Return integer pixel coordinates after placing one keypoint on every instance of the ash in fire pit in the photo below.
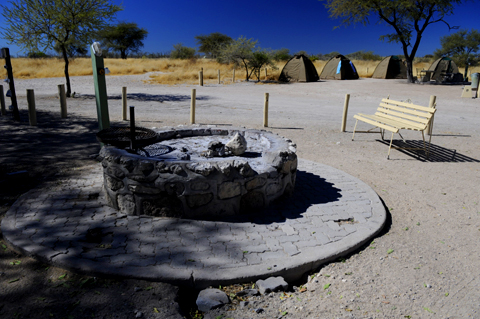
(182, 181)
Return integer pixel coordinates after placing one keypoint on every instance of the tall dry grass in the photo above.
(171, 71)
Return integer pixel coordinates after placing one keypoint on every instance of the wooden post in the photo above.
(2, 101)
(265, 74)
(100, 90)
(265, 111)
(429, 129)
(63, 101)
(218, 76)
(192, 106)
(32, 115)
(345, 111)
(200, 78)
(233, 78)
(124, 103)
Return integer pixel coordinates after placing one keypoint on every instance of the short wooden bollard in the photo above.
(63, 101)
(32, 115)
(2, 101)
(218, 76)
(266, 74)
(345, 112)
(233, 78)
(429, 128)
(200, 78)
(192, 106)
(124, 103)
(265, 111)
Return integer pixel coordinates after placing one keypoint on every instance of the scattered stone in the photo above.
(216, 149)
(211, 298)
(237, 145)
(272, 284)
(259, 310)
(138, 314)
(248, 293)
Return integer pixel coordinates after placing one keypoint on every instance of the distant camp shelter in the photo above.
(391, 67)
(339, 68)
(299, 69)
(441, 68)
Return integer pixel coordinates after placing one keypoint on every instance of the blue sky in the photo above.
(295, 25)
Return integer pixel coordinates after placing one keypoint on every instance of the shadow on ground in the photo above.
(143, 97)
(437, 154)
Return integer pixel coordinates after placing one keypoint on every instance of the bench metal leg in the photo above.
(354, 129)
(390, 147)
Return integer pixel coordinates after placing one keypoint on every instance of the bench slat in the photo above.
(410, 105)
(415, 112)
(410, 118)
(368, 119)
(401, 123)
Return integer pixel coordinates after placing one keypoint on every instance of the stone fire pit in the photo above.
(176, 177)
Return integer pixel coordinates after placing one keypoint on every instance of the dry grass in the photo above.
(170, 71)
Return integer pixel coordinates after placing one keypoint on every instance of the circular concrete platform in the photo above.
(69, 225)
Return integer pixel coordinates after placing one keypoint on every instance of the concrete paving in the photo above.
(68, 224)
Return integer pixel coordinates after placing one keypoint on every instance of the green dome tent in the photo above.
(300, 69)
(390, 68)
(339, 68)
(441, 68)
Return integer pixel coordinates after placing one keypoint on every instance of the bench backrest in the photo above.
(411, 115)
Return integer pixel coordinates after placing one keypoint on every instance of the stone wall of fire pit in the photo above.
(184, 183)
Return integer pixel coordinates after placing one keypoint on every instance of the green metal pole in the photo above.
(100, 90)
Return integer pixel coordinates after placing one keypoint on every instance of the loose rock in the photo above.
(209, 299)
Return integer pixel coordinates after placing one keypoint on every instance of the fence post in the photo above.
(345, 111)
(233, 78)
(200, 78)
(124, 103)
(265, 111)
(32, 115)
(218, 76)
(63, 101)
(265, 74)
(429, 129)
(100, 88)
(192, 106)
(2, 101)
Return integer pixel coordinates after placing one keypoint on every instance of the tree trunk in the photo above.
(465, 78)
(410, 77)
(123, 54)
(67, 77)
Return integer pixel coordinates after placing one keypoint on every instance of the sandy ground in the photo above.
(425, 264)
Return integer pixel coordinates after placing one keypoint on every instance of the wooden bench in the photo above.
(394, 116)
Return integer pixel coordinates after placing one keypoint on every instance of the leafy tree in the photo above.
(212, 44)
(46, 23)
(408, 18)
(124, 37)
(281, 55)
(73, 48)
(462, 46)
(182, 52)
(239, 52)
(242, 52)
(260, 59)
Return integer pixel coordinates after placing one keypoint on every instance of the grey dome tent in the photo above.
(390, 68)
(441, 68)
(339, 68)
(299, 69)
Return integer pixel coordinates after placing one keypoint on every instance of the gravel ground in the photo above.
(423, 265)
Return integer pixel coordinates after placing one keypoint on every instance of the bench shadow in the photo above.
(143, 97)
(310, 190)
(438, 154)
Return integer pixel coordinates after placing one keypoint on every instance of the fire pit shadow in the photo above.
(310, 190)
